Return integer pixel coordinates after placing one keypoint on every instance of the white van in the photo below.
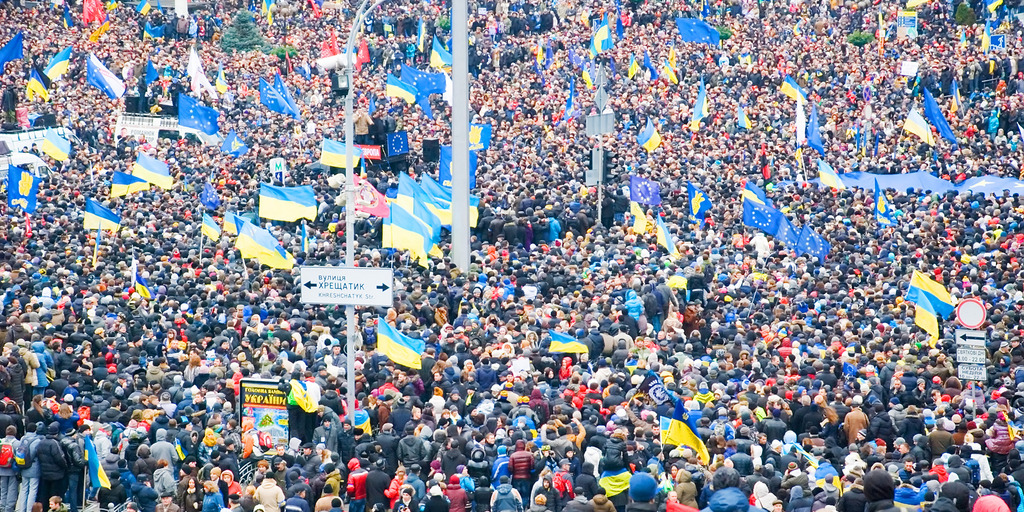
(32, 163)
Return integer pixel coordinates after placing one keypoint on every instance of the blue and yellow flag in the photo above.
(883, 208)
(98, 216)
(421, 36)
(615, 482)
(587, 78)
(123, 184)
(682, 431)
(414, 199)
(58, 64)
(742, 120)
(221, 82)
(68, 20)
(287, 204)
(153, 171)
(669, 72)
(639, 217)
(665, 238)
(649, 139)
(258, 243)
(55, 146)
(754, 193)
(992, 5)
(398, 347)
(233, 145)
(828, 176)
(38, 85)
(97, 477)
(957, 103)
(396, 88)
(22, 189)
(699, 204)
(565, 344)
(932, 301)
(601, 40)
(918, 126)
(480, 136)
(403, 230)
(634, 66)
(210, 229)
(144, 7)
(440, 58)
(332, 154)
(233, 223)
(700, 107)
(792, 89)
(267, 11)
(139, 283)
(360, 418)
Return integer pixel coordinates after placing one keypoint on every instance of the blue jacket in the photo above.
(730, 499)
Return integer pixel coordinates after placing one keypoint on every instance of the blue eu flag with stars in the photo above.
(398, 143)
(193, 114)
(761, 216)
(644, 191)
(209, 197)
(812, 244)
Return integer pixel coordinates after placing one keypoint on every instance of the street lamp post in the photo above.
(350, 196)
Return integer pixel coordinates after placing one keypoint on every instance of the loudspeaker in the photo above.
(131, 104)
(431, 150)
(9, 127)
(47, 120)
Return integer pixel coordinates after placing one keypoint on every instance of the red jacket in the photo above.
(520, 464)
(458, 500)
(356, 481)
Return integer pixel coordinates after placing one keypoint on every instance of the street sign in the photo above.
(347, 286)
(600, 124)
(970, 337)
(972, 372)
(278, 169)
(971, 313)
(972, 355)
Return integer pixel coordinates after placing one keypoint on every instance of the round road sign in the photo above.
(971, 313)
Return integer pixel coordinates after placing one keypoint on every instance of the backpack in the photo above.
(25, 453)
(505, 502)
(73, 452)
(6, 454)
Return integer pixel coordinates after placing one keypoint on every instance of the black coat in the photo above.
(52, 465)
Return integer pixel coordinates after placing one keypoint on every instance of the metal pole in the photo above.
(460, 135)
(350, 202)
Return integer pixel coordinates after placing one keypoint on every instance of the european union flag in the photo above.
(425, 83)
(934, 115)
(233, 145)
(22, 189)
(398, 143)
(445, 167)
(193, 114)
(479, 136)
(151, 72)
(814, 132)
(787, 234)
(696, 31)
(644, 191)
(277, 100)
(812, 244)
(13, 50)
(761, 216)
(208, 197)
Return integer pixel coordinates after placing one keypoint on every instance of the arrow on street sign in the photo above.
(347, 286)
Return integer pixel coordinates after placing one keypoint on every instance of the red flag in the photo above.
(92, 10)
(329, 48)
(28, 225)
(370, 200)
(763, 161)
(315, 8)
(363, 56)
(288, 61)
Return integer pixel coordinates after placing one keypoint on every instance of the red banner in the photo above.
(369, 152)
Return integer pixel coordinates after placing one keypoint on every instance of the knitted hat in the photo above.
(642, 487)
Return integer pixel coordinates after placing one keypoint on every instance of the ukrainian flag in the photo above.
(210, 228)
(58, 64)
(68, 20)
(99, 217)
(665, 238)
(602, 39)
(267, 11)
(233, 223)
(360, 418)
(682, 431)
(752, 192)
(414, 199)
(124, 184)
(668, 71)
(440, 58)
(565, 344)
(957, 103)
(180, 450)
(403, 230)
(792, 89)
(992, 5)
(153, 171)
(142, 287)
(287, 204)
(699, 204)
(918, 126)
(332, 154)
(258, 243)
(828, 176)
(398, 347)
(97, 476)
(442, 198)
(615, 482)
(37, 85)
(221, 82)
(143, 7)
(883, 208)
(639, 217)
(634, 66)
(56, 146)
(932, 301)
(743, 121)
(396, 88)
(986, 39)
(700, 107)
(586, 75)
(649, 139)
(421, 37)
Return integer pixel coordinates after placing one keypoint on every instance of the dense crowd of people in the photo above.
(805, 381)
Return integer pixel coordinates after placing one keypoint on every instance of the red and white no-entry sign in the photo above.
(971, 313)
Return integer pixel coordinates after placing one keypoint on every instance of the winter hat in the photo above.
(878, 485)
(642, 487)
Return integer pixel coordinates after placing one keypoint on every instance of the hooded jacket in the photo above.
(729, 499)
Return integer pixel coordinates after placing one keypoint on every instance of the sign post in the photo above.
(971, 355)
(346, 286)
(971, 313)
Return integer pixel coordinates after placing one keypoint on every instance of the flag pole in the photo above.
(96, 249)
(202, 238)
